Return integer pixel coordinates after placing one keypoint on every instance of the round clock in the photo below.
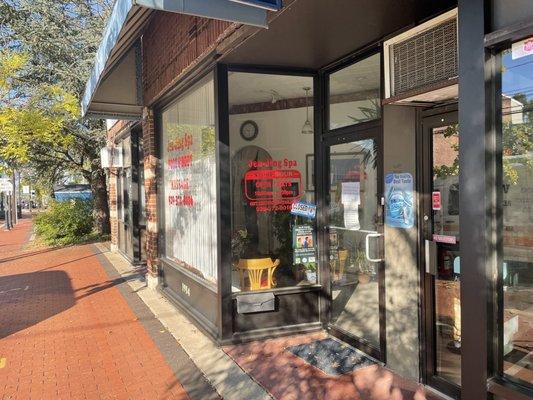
(249, 130)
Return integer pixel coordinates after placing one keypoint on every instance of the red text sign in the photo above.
(436, 200)
(272, 189)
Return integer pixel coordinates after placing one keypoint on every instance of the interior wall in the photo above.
(279, 134)
(402, 286)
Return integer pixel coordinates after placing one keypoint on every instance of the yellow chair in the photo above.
(341, 263)
(255, 268)
(343, 256)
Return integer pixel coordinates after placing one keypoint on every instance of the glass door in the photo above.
(442, 261)
(354, 232)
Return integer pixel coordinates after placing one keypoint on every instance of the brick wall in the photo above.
(150, 187)
(171, 44)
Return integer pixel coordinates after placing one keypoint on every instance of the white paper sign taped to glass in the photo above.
(399, 209)
(304, 209)
(350, 199)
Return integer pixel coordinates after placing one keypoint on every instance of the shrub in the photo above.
(66, 222)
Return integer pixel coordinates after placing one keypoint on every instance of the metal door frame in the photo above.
(371, 130)
(430, 119)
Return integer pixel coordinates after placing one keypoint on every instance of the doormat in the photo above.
(331, 356)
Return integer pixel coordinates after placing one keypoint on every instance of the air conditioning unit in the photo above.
(421, 64)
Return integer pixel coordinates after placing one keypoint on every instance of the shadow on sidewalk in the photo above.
(29, 254)
(27, 299)
(93, 289)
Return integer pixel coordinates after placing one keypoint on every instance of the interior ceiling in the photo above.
(247, 88)
(315, 33)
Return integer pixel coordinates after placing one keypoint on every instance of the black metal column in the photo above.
(475, 198)
(225, 309)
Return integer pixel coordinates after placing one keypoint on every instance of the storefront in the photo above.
(126, 183)
(374, 187)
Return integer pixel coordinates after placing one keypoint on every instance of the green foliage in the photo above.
(66, 222)
(239, 242)
(47, 51)
(443, 171)
(282, 229)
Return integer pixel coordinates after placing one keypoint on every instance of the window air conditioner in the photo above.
(421, 64)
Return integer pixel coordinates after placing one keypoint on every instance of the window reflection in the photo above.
(517, 172)
(354, 93)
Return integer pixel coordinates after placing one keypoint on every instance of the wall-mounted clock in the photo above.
(249, 130)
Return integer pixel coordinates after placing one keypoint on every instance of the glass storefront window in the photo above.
(517, 206)
(354, 93)
(188, 154)
(272, 167)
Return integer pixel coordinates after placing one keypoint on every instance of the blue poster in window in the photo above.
(399, 205)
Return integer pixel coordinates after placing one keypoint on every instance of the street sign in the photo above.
(5, 185)
(25, 189)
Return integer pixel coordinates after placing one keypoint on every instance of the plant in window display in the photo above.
(369, 113)
(239, 244)
(366, 271)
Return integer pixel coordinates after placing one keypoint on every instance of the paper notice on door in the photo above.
(350, 193)
(351, 216)
(350, 199)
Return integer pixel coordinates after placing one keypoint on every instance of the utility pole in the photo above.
(14, 216)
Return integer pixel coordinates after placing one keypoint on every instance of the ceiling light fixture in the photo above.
(307, 129)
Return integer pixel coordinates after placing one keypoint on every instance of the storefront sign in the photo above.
(272, 185)
(304, 209)
(399, 209)
(522, 48)
(445, 239)
(304, 245)
(180, 160)
(436, 201)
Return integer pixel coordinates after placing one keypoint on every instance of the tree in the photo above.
(48, 49)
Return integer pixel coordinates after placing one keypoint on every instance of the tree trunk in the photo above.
(101, 206)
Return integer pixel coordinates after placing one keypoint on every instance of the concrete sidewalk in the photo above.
(81, 323)
(230, 381)
(264, 369)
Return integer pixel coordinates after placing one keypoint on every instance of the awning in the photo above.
(114, 88)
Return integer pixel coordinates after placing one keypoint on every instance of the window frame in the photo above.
(223, 101)
(159, 109)
(352, 59)
(498, 383)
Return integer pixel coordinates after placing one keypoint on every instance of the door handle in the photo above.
(367, 247)
(430, 248)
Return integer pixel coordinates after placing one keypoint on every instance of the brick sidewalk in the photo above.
(66, 332)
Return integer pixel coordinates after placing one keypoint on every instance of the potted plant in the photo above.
(310, 272)
(365, 270)
(239, 242)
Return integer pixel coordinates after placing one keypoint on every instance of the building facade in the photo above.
(358, 167)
